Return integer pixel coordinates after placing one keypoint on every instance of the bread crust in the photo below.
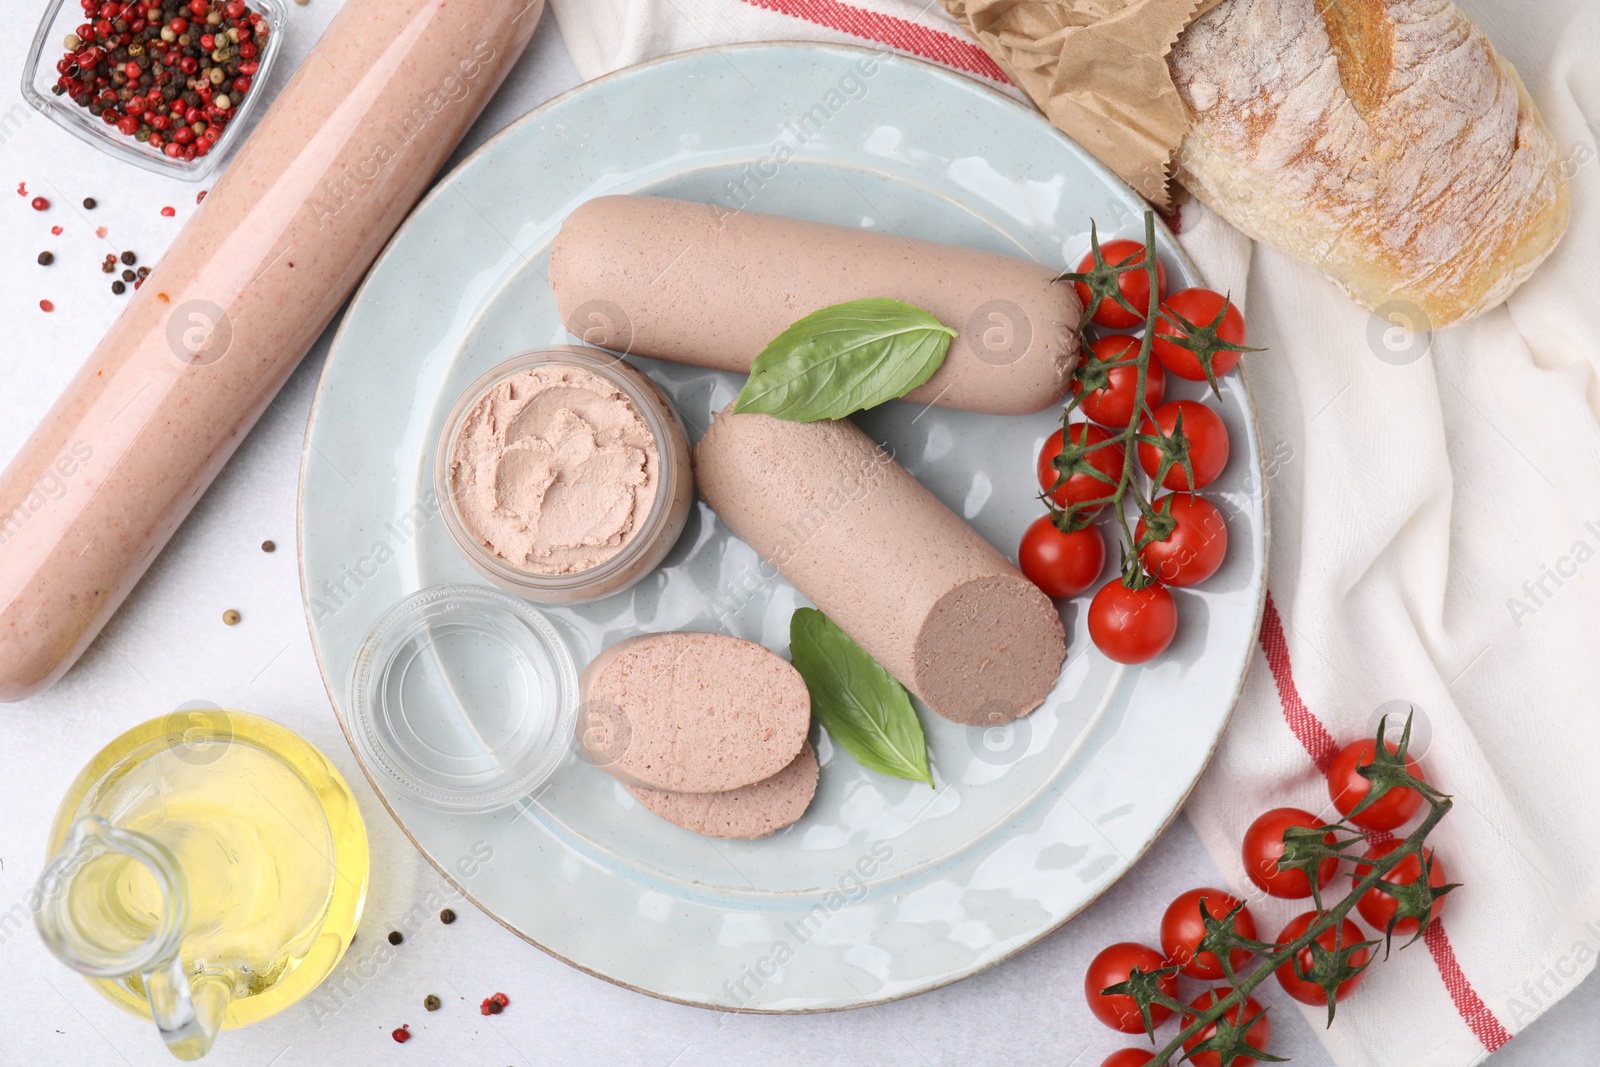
(1383, 141)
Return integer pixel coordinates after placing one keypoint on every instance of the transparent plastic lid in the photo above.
(465, 697)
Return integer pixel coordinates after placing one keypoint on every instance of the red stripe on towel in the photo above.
(895, 32)
(1312, 735)
(1321, 747)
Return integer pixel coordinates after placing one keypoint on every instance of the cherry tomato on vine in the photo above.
(1347, 788)
(1132, 625)
(1061, 564)
(1134, 284)
(1201, 307)
(1377, 908)
(1206, 437)
(1263, 844)
(1111, 967)
(1129, 1057)
(1309, 992)
(1258, 1035)
(1194, 549)
(1181, 931)
(1113, 404)
(1081, 486)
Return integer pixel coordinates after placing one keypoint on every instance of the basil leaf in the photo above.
(858, 702)
(845, 358)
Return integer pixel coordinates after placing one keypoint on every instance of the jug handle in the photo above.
(188, 1013)
(188, 1016)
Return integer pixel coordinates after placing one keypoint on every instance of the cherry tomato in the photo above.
(1199, 306)
(1111, 967)
(1135, 284)
(1207, 439)
(1113, 403)
(1181, 931)
(1378, 907)
(1348, 788)
(1129, 1057)
(1263, 844)
(1061, 564)
(1194, 549)
(1258, 1035)
(1309, 992)
(1132, 625)
(1081, 486)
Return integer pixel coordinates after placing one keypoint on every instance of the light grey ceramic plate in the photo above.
(885, 888)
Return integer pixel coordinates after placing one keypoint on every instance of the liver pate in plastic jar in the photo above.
(564, 474)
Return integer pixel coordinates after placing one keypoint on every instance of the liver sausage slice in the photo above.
(691, 712)
(754, 811)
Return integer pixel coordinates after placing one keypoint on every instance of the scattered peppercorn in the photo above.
(46, 258)
(108, 267)
(89, 203)
(395, 937)
(129, 276)
(144, 272)
(494, 1005)
(55, 231)
(119, 288)
(167, 212)
(403, 1034)
(129, 259)
(430, 1002)
(40, 203)
(230, 617)
(45, 305)
(268, 546)
(447, 916)
(201, 195)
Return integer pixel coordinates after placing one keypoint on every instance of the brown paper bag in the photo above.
(1098, 70)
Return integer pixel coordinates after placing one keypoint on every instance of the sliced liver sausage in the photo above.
(691, 712)
(899, 572)
(754, 811)
(698, 284)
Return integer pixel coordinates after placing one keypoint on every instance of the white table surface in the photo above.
(168, 646)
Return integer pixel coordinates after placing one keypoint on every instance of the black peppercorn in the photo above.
(46, 258)
(129, 276)
(447, 916)
(129, 258)
(118, 288)
(395, 937)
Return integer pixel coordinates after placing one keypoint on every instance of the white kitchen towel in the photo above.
(1435, 539)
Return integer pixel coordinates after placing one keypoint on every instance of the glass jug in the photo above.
(209, 871)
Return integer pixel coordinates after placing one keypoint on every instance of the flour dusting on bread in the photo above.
(1382, 140)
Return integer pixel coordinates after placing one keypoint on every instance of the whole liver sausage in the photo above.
(691, 712)
(754, 811)
(902, 574)
(300, 213)
(698, 284)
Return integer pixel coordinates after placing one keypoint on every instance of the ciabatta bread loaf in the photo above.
(1381, 140)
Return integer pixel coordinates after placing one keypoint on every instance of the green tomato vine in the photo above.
(1305, 849)
(1102, 282)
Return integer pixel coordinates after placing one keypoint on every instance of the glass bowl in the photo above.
(62, 17)
(465, 697)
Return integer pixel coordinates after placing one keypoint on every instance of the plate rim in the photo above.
(440, 184)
